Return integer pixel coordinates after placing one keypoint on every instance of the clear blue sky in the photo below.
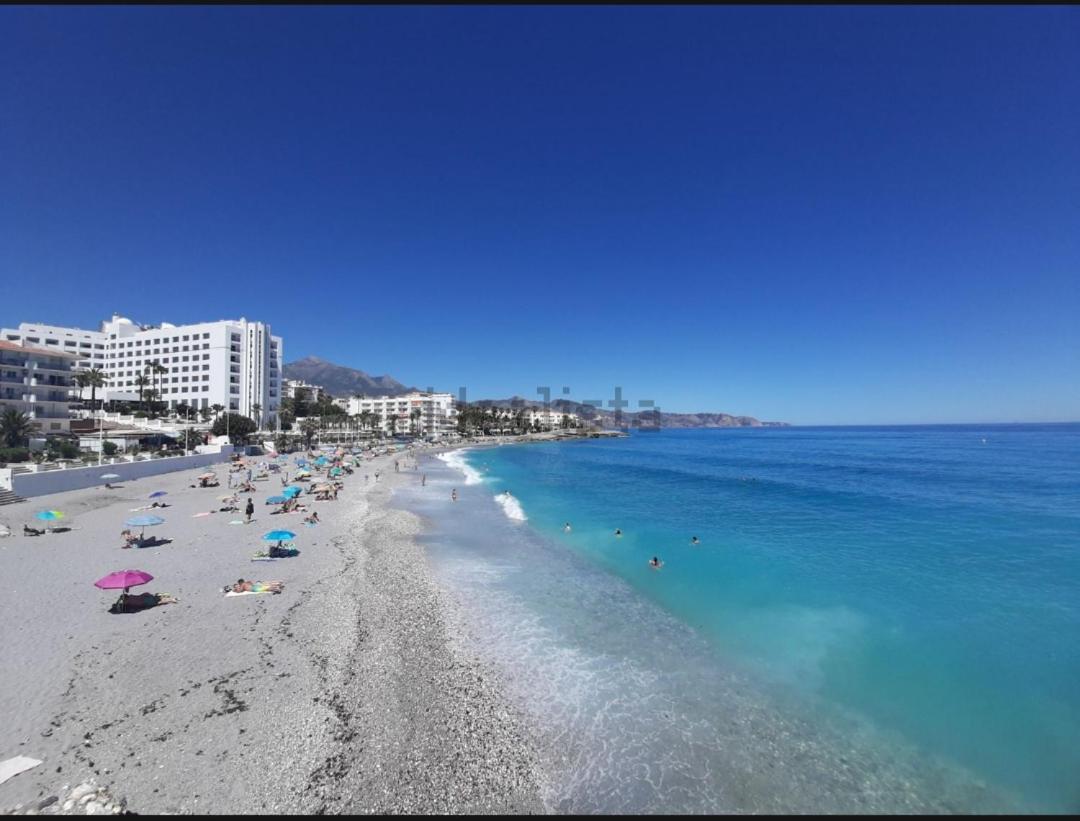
(819, 215)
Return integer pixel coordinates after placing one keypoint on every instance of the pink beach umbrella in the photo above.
(123, 579)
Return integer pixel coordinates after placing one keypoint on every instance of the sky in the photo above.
(819, 215)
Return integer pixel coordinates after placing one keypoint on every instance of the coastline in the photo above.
(342, 694)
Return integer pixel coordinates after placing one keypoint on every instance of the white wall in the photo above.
(28, 485)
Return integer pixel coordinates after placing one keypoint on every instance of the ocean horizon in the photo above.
(875, 618)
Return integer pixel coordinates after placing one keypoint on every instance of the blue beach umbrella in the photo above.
(292, 490)
(278, 535)
(277, 500)
(158, 493)
(144, 521)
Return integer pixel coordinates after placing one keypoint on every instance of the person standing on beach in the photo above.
(423, 480)
(250, 509)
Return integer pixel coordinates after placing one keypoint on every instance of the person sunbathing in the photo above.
(32, 531)
(242, 586)
(130, 539)
(141, 601)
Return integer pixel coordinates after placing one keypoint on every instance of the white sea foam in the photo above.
(456, 460)
(511, 507)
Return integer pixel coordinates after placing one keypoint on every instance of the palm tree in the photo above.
(414, 419)
(206, 413)
(257, 410)
(392, 420)
(217, 409)
(93, 379)
(15, 427)
(309, 427)
(141, 382)
(160, 371)
(82, 381)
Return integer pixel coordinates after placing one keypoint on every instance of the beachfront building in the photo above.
(233, 363)
(437, 417)
(549, 418)
(87, 346)
(37, 381)
(299, 389)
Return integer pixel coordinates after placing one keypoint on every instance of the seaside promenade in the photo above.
(340, 694)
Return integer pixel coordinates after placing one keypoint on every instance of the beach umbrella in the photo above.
(49, 515)
(277, 500)
(144, 522)
(158, 493)
(123, 579)
(278, 536)
(110, 476)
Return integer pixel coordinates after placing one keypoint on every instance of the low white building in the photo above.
(37, 381)
(437, 417)
(549, 418)
(297, 387)
(233, 363)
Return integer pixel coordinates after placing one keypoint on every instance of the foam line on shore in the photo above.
(456, 460)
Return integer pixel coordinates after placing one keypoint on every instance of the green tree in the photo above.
(392, 421)
(94, 379)
(15, 428)
(110, 448)
(308, 428)
(205, 413)
(237, 427)
(142, 382)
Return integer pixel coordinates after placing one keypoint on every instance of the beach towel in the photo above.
(197, 515)
(262, 559)
(246, 593)
(16, 765)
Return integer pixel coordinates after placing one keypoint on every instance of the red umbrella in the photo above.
(123, 579)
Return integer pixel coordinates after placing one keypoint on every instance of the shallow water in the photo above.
(876, 619)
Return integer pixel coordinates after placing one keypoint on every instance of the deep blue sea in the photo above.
(875, 619)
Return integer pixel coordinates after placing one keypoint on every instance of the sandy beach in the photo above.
(341, 694)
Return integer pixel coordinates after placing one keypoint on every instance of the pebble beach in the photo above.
(343, 693)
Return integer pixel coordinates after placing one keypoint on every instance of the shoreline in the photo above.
(345, 693)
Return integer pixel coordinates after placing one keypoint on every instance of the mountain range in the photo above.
(339, 380)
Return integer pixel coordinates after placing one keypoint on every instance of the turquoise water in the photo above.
(919, 583)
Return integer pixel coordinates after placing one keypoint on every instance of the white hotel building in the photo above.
(438, 411)
(233, 363)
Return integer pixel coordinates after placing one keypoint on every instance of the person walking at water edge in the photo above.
(423, 480)
(249, 510)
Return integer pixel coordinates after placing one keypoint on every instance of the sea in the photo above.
(873, 619)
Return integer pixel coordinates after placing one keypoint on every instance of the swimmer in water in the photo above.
(694, 540)
(566, 527)
(655, 563)
(618, 532)
(453, 495)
